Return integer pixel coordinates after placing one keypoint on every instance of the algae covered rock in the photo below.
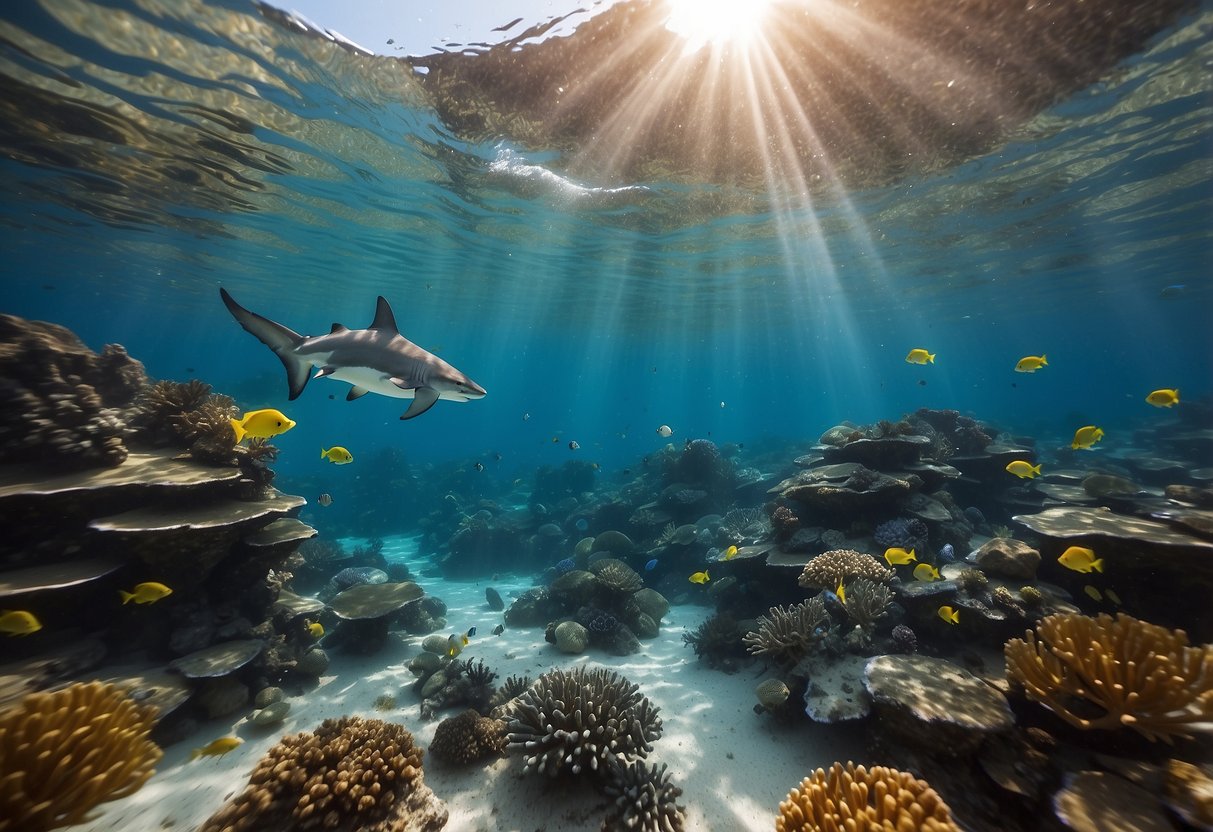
(652, 603)
(1008, 557)
(571, 637)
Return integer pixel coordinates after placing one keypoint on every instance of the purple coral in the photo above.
(904, 639)
(909, 533)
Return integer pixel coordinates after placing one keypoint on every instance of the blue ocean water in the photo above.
(155, 154)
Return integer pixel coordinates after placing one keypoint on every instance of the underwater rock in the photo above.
(436, 644)
(1008, 557)
(272, 714)
(834, 689)
(493, 597)
(313, 663)
(1096, 801)
(349, 577)
(294, 605)
(571, 637)
(268, 696)
(934, 704)
(871, 490)
(1202, 497)
(652, 603)
(220, 697)
(1109, 485)
(219, 660)
(530, 609)
(425, 662)
(368, 601)
(887, 453)
(644, 626)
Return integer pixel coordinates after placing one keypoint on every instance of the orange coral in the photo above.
(857, 799)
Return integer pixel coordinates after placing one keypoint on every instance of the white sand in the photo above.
(733, 766)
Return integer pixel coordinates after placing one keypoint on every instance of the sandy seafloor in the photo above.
(734, 766)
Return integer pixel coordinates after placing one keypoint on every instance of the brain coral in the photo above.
(585, 718)
(863, 800)
(827, 569)
(348, 773)
(468, 737)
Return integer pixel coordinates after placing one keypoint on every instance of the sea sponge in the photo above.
(863, 800)
(468, 737)
(569, 721)
(788, 634)
(829, 568)
(643, 798)
(1138, 674)
(349, 771)
(63, 753)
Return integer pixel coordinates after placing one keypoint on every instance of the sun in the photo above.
(716, 22)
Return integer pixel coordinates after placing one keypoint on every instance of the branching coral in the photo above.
(63, 753)
(643, 798)
(569, 721)
(616, 576)
(863, 800)
(349, 770)
(468, 737)
(788, 634)
(867, 601)
(717, 640)
(1122, 672)
(829, 568)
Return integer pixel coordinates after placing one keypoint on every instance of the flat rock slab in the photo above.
(218, 659)
(280, 532)
(56, 575)
(374, 600)
(1069, 522)
(214, 515)
(296, 605)
(140, 470)
(835, 691)
(1096, 801)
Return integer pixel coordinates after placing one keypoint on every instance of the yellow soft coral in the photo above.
(63, 753)
(858, 799)
(1136, 674)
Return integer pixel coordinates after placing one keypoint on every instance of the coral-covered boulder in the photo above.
(1008, 557)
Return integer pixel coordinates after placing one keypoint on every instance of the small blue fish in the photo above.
(1175, 290)
(947, 554)
(582, 524)
(651, 565)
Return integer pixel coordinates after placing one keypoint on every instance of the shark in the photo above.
(377, 359)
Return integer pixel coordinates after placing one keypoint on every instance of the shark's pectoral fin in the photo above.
(423, 400)
(325, 371)
(356, 392)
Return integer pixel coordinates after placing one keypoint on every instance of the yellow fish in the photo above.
(700, 577)
(316, 629)
(216, 748)
(1092, 593)
(337, 455)
(920, 356)
(896, 556)
(145, 593)
(1112, 596)
(841, 592)
(926, 572)
(19, 623)
(1164, 398)
(1031, 363)
(1080, 559)
(261, 424)
(1086, 437)
(730, 553)
(948, 614)
(1022, 469)
(455, 645)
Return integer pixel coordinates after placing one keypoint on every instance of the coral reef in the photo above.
(861, 799)
(718, 640)
(904, 639)
(867, 602)
(830, 568)
(468, 737)
(348, 773)
(907, 532)
(63, 753)
(787, 634)
(569, 721)
(616, 576)
(1139, 675)
(642, 797)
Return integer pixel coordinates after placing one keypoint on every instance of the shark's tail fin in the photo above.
(278, 338)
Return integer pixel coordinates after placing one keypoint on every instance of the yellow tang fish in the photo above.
(926, 572)
(19, 622)
(315, 629)
(1087, 436)
(1080, 559)
(1164, 397)
(948, 614)
(700, 577)
(920, 356)
(896, 556)
(1031, 363)
(1023, 469)
(337, 455)
(216, 748)
(261, 424)
(841, 592)
(1092, 593)
(147, 592)
(730, 553)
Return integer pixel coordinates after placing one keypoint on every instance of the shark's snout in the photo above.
(472, 390)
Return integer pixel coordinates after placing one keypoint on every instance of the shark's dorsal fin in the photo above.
(338, 328)
(384, 319)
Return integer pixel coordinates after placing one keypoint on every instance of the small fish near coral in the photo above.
(261, 424)
(1164, 397)
(1086, 437)
(1031, 363)
(948, 614)
(217, 748)
(920, 356)
(147, 592)
(315, 629)
(1023, 469)
(665, 431)
(926, 572)
(574, 445)
(897, 556)
(730, 553)
(700, 577)
(841, 592)
(1081, 559)
(337, 455)
(651, 565)
(499, 629)
(325, 499)
(19, 623)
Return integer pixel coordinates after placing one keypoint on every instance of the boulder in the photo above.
(571, 637)
(1008, 557)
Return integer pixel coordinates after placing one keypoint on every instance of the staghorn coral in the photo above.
(569, 721)
(867, 601)
(348, 773)
(828, 569)
(468, 737)
(863, 800)
(788, 634)
(616, 576)
(642, 797)
(1107, 673)
(63, 753)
